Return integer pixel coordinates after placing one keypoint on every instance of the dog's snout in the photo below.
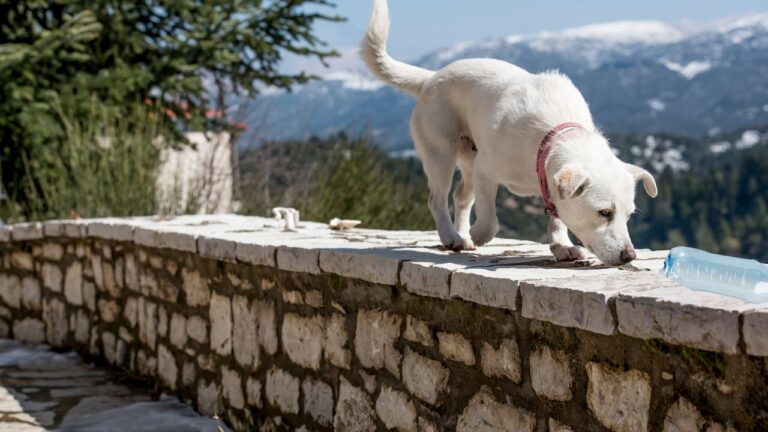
(628, 254)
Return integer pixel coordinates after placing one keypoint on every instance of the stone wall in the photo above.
(372, 330)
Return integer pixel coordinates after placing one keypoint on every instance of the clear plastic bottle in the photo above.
(704, 271)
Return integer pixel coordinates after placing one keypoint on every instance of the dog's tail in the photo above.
(374, 51)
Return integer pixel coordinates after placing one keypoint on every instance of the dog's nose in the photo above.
(628, 254)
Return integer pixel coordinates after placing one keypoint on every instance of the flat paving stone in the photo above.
(41, 390)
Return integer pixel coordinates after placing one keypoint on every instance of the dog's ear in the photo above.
(571, 181)
(648, 181)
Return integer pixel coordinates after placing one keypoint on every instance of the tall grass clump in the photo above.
(103, 165)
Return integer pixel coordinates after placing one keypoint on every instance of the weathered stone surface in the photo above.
(166, 367)
(253, 392)
(303, 340)
(354, 411)
(109, 280)
(484, 414)
(683, 416)
(318, 401)
(298, 259)
(679, 317)
(365, 265)
(131, 311)
(503, 362)
(22, 261)
(108, 310)
(232, 385)
(215, 248)
(131, 273)
(53, 251)
(52, 278)
(456, 347)
(425, 279)
(556, 426)
(56, 322)
(481, 287)
(619, 400)
(245, 332)
(30, 293)
(188, 374)
(195, 288)
(551, 374)
(178, 330)
(395, 410)
(220, 313)
(148, 322)
(197, 329)
(73, 284)
(375, 339)
(10, 291)
(109, 345)
(755, 336)
(89, 295)
(424, 378)
(29, 330)
(293, 297)
(27, 231)
(335, 341)
(82, 327)
(255, 254)
(208, 398)
(267, 326)
(282, 391)
(418, 331)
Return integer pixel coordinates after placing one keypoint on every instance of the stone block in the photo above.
(89, 295)
(22, 261)
(318, 401)
(303, 340)
(108, 310)
(208, 398)
(282, 391)
(56, 322)
(73, 284)
(232, 385)
(485, 287)
(253, 392)
(245, 332)
(551, 374)
(29, 330)
(396, 410)
(52, 278)
(53, 251)
(27, 231)
(30, 294)
(178, 330)
(10, 290)
(335, 341)
(368, 265)
(215, 248)
(755, 336)
(354, 411)
(556, 426)
(131, 311)
(255, 254)
(375, 339)
(166, 367)
(195, 288)
(619, 400)
(456, 347)
(426, 279)
(503, 362)
(197, 329)
(425, 378)
(147, 322)
(220, 313)
(418, 331)
(267, 326)
(299, 260)
(82, 328)
(683, 416)
(485, 414)
(162, 321)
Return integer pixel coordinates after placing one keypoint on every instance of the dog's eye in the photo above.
(608, 213)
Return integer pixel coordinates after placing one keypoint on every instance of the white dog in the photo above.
(531, 133)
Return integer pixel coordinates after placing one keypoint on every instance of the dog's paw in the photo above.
(568, 253)
(454, 242)
(481, 235)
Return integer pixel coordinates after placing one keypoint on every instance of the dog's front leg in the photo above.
(487, 224)
(561, 245)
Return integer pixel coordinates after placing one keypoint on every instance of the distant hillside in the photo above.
(639, 78)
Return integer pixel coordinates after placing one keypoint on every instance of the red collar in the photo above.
(541, 160)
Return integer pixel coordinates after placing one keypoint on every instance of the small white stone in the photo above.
(318, 401)
(335, 342)
(375, 339)
(418, 331)
(485, 414)
(354, 411)
(502, 363)
(395, 410)
(551, 374)
(233, 387)
(283, 391)
(221, 324)
(683, 416)
(303, 340)
(456, 347)
(166, 367)
(424, 378)
(619, 400)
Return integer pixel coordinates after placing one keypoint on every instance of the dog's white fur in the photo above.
(489, 117)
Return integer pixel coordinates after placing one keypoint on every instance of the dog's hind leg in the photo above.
(464, 194)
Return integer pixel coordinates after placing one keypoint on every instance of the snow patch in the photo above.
(355, 81)
(622, 32)
(454, 51)
(749, 138)
(690, 70)
(720, 147)
(657, 104)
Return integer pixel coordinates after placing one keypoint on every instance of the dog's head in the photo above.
(595, 197)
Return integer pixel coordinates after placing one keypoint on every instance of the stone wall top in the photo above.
(508, 274)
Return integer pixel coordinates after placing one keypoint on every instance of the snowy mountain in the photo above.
(640, 77)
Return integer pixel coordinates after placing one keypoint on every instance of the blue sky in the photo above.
(419, 26)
